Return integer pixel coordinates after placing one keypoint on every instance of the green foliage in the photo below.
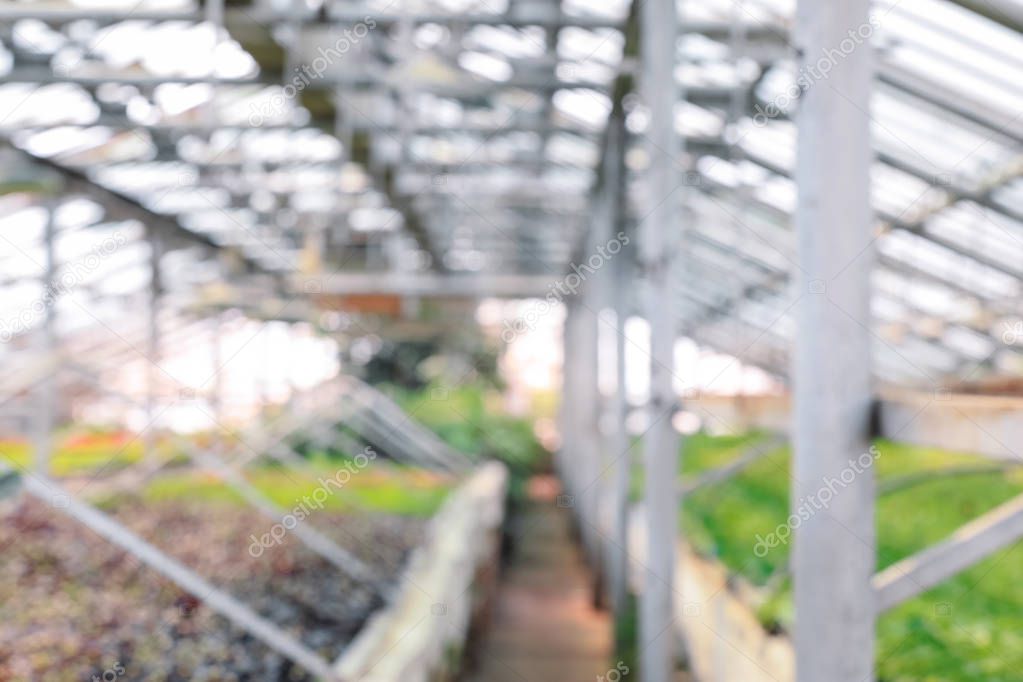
(968, 629)
(469, 419)
(626, 637)
(724, 519)
(379, 488)
(72, 457)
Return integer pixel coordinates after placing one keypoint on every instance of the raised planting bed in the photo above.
(967, 629)
(444, 593)
(72, 605)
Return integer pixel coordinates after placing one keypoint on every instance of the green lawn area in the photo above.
(968, 628)
(76, 454)
(378, 488)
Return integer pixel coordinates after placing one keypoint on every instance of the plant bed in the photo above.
(382, 487)
(964, 630)
(444, 594)
(73, 606)
(78, 452)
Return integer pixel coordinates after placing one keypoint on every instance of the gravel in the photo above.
(74, 607)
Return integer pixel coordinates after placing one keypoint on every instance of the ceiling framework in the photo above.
(452, 145)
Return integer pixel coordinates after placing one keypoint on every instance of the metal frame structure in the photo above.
(834, 554)
(303, 152)
(658, 236)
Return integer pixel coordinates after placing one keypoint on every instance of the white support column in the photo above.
(153, 346)
(292, 58)
(215, 17)
(589, 298)
(265, 394)
(46, 392)
(588, 427)
(834, 552)
(587, 444)
(620, 450)
(566, 453)
(567, 432)
(615, 436)
(658, 33)
(291, 361)
(216, 354)
(594, 297)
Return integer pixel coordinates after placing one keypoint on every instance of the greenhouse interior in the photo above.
(511, 340)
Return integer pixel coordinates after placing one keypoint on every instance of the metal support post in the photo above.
(46, 392)
(659, 28)
(153, 345)
(617, 453)
(834, 551)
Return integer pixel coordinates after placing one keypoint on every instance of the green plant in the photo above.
(469, 418)
(967, 629)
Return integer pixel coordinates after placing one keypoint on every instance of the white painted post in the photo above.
(566, 453)
(216, 354)
(616, 437)
(153, 349)
(619, 445)
(599, 413)
(591, 298)
(215, 17)
(834, 550)
(578, 441)
(47, 390)
(658, 33)
(620, 450)
(265, 394)
(583, 355)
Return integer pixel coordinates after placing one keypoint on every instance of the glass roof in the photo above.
(465, 136)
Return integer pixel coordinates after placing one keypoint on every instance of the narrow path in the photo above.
(544, 628)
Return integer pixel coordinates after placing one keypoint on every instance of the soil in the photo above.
(74, 607)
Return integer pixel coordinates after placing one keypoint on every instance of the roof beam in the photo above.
(1007, 13)
(120, 206)
(479, 87)
(341, 14)
(431, 285)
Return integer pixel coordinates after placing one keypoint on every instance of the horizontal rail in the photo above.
(981, 424)
(752, 454)
(974, 541)
(743, 412)
(986, 425)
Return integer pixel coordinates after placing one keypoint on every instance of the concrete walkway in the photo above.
(544, 628)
